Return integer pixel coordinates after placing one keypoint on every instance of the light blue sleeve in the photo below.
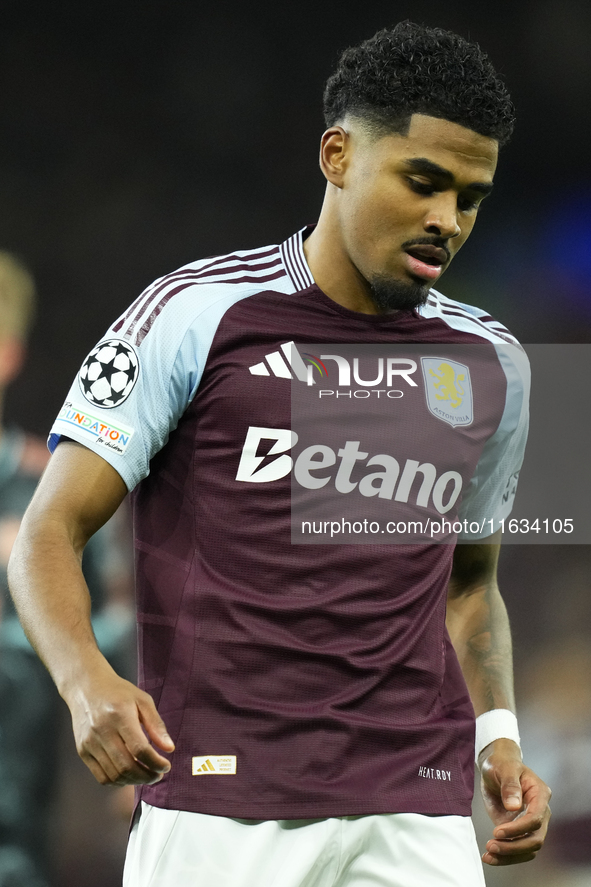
(128, 397)
(126, 400)
(491, 492)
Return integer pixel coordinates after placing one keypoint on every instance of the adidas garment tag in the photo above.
(214, 765)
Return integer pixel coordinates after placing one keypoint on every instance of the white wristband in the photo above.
(500, 723)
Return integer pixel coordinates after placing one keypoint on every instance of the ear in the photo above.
(334, 154)
(12, 355)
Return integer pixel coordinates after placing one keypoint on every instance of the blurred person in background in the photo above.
(556, 731)
(30, 707)
(547, 590)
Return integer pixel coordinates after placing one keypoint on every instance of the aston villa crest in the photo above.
(448, 390)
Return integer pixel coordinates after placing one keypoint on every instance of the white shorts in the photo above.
(168, 848)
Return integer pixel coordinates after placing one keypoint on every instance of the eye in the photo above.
(467, 204)
(419, 186)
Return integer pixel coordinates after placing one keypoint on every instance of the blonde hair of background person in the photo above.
(17, 310)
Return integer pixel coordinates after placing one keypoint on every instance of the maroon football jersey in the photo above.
(296, 680)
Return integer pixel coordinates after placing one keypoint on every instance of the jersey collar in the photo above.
(292, 253)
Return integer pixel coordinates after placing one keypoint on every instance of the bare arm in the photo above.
(111, 717)
(516, 799)
(479, 627)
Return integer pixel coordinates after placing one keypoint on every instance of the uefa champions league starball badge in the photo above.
(109, 373)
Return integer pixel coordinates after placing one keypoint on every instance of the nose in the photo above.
(442, 219)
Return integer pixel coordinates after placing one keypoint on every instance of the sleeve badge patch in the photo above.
(109, 373)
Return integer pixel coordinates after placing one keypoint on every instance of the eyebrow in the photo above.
(422, 164)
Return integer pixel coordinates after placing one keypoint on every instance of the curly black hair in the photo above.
(412, 69)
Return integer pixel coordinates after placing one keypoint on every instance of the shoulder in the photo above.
(466, 318)
(472, 321)
(159, 346)
(199, 288)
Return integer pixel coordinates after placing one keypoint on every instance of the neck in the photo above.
(331, 266)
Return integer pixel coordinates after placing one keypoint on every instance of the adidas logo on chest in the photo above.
(285, 363)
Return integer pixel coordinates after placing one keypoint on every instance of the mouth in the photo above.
(425, 260)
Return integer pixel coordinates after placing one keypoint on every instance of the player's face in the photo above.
(408, 203)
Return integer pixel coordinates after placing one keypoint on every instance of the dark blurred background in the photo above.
(139, 136)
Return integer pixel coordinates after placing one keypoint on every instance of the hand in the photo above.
(114, 723)
(517, 802)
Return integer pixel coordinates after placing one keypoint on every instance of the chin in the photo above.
(391, 294)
